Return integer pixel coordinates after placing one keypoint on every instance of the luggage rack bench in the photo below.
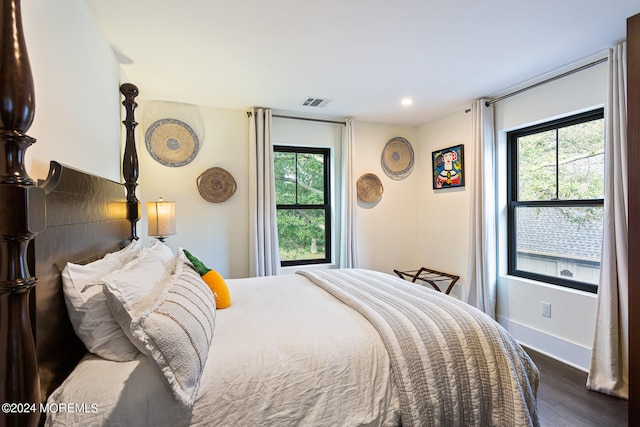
(432, 277)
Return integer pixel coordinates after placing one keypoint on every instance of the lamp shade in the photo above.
(161, 218)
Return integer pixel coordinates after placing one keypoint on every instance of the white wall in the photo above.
(76, 78)
(217, 233)
(387, 234)
(443, 215)
(444, 224)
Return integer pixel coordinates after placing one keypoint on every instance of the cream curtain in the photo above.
(264, 257)
(481, 289)
(609, 371)
(349, 229)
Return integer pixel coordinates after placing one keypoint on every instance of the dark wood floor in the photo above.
(564, 400)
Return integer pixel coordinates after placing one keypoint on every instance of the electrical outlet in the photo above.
(545, 309)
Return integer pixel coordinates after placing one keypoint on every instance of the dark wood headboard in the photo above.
(71, 216)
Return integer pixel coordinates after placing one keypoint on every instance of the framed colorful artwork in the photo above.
(448, 167)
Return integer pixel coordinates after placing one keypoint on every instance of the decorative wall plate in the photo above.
(171, 142)
(216, 185)
(369, 188)
(397, 158)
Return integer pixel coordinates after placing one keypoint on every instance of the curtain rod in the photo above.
(549, 80)
(308, 119)
(303, 118)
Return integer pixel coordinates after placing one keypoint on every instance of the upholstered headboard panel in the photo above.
(86, 217)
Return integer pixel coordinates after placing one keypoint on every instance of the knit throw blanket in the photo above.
(452, 364)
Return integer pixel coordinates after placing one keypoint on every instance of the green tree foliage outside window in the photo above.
(562, 164)
(302, 203)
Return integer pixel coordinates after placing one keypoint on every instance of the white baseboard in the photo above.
(567, 352)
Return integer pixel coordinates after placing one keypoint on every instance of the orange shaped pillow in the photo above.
(213, 279)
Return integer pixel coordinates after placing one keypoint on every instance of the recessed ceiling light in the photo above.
(407, 101)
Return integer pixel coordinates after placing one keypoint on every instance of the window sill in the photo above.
(509, 280)
(292, 269)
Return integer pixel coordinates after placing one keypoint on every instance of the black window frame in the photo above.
(513, 203)
(326, 153)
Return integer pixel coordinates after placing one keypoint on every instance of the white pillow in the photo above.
(171, 319)
(88, 311)
(160, 251)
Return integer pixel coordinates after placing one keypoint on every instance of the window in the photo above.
(303, 204)
(556, 200)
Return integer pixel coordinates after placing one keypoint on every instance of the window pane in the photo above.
(301, 234)
(562, 242)
(284, 169)
(537, 166)
(310, 179)
(581, 161)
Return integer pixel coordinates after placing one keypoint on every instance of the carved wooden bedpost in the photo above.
(22, 211)
(130, 161)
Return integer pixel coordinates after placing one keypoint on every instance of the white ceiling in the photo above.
(366, 55)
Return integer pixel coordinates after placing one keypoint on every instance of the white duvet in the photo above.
(286, 353)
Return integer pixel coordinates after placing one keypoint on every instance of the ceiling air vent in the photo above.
(313, 101)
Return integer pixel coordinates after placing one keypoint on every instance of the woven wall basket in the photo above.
(216, 185)
(397, 158)
(171, 142)
(369, 188)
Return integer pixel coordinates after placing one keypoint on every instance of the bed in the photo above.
(338, 347)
